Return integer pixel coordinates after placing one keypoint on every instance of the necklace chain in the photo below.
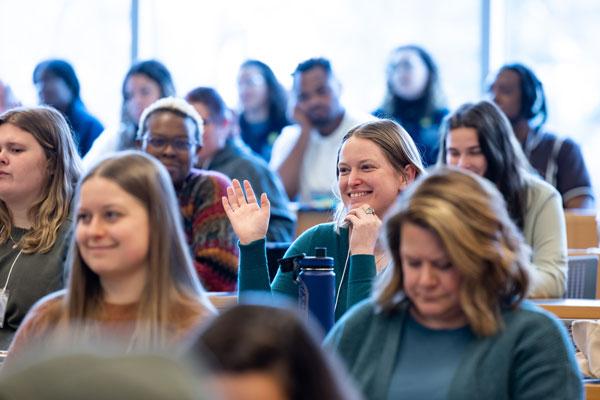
(15, 243)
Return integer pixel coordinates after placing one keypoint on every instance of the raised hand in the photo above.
(364, 231)
(249, 221)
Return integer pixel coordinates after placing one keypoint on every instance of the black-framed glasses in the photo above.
(160, 143)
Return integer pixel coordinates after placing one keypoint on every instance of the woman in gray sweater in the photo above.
(39, 169)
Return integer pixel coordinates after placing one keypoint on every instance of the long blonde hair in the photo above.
(468, 215)
(170, 280)
(51, 210)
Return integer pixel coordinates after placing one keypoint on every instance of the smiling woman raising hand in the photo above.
(376, 162)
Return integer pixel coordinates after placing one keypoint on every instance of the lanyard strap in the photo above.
(12, 265)
(11, 269)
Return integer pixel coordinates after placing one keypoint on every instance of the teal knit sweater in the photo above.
(531, 358)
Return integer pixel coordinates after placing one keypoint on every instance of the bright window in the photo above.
(93, 35)
(204, 43)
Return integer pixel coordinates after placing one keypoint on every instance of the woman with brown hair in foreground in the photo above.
(449, 320)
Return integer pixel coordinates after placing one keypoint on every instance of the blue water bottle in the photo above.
(316, 287)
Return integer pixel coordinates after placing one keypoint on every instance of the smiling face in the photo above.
(112, 231)
(23, 167)
(431, 282)
(463, 150)
(367, 177)
(165, 138)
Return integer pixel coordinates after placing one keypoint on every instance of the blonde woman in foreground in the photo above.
(131, 278)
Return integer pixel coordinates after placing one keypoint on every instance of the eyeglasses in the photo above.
(161, 143)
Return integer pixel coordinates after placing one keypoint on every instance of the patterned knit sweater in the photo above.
(210, 235)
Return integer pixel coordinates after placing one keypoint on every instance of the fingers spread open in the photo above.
(232, 200)
(249, 192)
(226, 205)
(264, 201)
(239, 193)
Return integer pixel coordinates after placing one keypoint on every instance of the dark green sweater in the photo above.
(254, 274)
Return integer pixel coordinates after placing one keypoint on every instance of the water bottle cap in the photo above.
(320, 251)
(320, 260)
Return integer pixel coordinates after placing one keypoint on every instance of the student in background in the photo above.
(57, 86)
(520, 95)
(39, 170)
(449, 319)
(302, 154)
(145, 82)
(222, 151)
(414, 98)
(131, 278)
(263, 102)
(478, 137)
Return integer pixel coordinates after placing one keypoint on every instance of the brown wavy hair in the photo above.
(51, 210)
(468, 215)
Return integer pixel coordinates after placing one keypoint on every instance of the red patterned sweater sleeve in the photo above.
(209, 233)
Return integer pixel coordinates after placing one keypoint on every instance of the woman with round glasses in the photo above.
(171, 130)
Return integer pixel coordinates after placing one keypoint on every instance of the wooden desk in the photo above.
(592, 391)
(582, 229)
(571, 308)
(308, 218)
